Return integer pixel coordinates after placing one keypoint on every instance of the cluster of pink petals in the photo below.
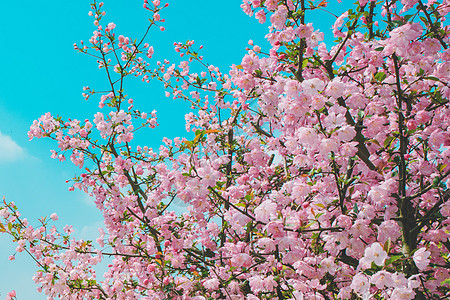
(320, 179)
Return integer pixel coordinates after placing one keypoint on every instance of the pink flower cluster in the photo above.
(313, 172)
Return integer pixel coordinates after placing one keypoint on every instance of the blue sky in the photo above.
(42, 73)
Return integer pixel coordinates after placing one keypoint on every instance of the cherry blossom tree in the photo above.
(315, 171)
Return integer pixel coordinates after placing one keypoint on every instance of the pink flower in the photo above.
(279, 17)
(212, 284)
(403, 294)
(110, 26)
(402, 35)
(344, 221)
(269, 283)
(246, 82)
(376, 254)
(266, 243)
(308, 137)
(423, 116)
(335, 89)
(250, 62)
(382, 279)
(11, 295)
(54, 217)
(388, 229)
(292, 88)
(275, 229)
(315, 38)
(436, 139)
(256, 283)
(312, 86)
(334, 120)
(304, 31)
(241, 260)
(346, 133)
(421, 259)
(360, 284)
(399, 280)
(265, 211)
(209, 176)
(328, 265)
(329, 145)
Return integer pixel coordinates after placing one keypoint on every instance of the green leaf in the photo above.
(387, 245)
(304, 63)
(446, 281)
(392, 259)
(432, 78)
(388, 141)
(320, 205)
(436, 181)
(361, 114)
(380, 76)
(407, 17)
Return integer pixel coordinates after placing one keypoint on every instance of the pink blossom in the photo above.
(403, 293)
(265, 211)
(381, 279)
(275, 229)
(11, 295)
(209, 176)
(401, 36)
(388, 229)
(279, 17)
(421, 258)
(304, 31)
(110, 26)
(313, 85)
(256, 283)
(212, 284)
(328, 265)
(399, 280)
(335, 89)
(344, 221)
(334, 120)
(360, 284)
(315, 38)
(54, 216)
(345, 133)
(250, 62)
(241, 260)
(436, 139)
(376, 254)
(261, 16)
(292, 88)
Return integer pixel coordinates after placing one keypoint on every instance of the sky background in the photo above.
(41, 72)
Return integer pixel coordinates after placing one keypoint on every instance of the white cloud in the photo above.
(9, 150)
(87, 200)
(89, 232)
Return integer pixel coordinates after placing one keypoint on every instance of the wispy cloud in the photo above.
(10, 151)
(89, 232)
